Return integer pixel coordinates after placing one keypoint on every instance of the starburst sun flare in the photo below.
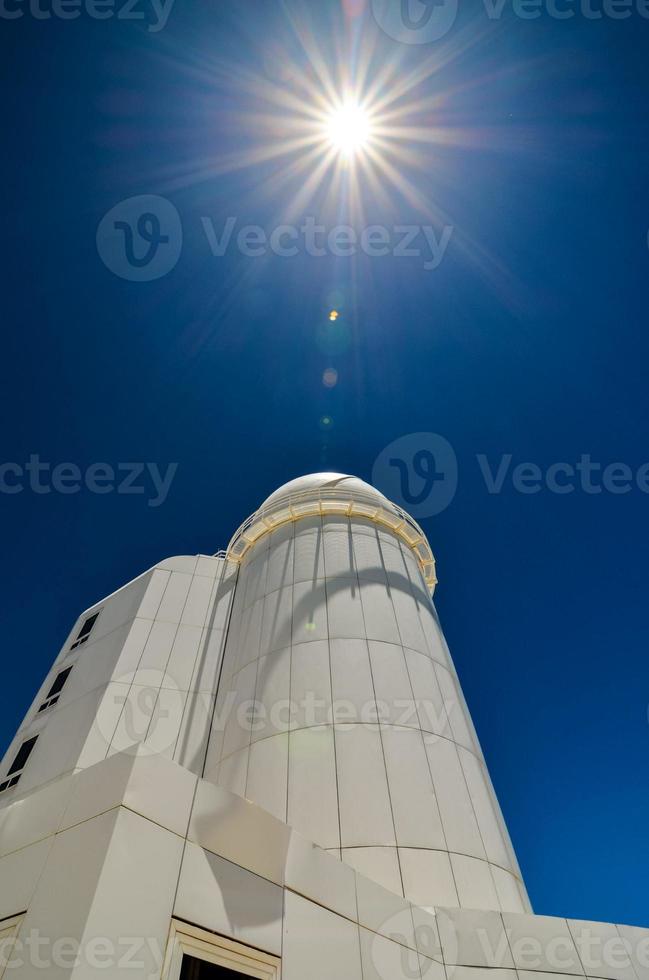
(349, 128)
(355, 132)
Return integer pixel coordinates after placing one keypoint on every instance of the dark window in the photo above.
(59, 682)
(193, 969)
(88, 625)
(23, 755)
(54, 692)
(85, 630)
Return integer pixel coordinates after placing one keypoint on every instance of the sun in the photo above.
(336, 131)
(348, 128)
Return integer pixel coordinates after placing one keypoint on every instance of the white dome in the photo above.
(332, 493)
(318, 481)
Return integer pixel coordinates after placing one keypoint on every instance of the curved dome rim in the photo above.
(315, 482)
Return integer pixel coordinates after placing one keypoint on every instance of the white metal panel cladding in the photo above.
(346, 718)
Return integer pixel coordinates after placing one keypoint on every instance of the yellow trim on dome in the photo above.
(318, 502)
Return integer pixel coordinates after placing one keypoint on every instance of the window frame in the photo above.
(82, 637)
(52, 696)
(188, 940)
(12, 776)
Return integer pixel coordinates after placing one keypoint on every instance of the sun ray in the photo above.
(340, 124)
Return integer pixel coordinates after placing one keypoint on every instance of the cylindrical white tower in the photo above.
(339, 709)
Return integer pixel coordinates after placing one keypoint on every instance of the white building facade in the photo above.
(261, 764)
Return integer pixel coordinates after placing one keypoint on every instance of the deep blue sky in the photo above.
(217, 366)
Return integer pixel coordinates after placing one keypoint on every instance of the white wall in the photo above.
(148, 673)
(101, 862)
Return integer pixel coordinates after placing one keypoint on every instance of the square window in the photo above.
(194, 954)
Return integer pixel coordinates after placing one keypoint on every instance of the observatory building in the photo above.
(261, 764)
